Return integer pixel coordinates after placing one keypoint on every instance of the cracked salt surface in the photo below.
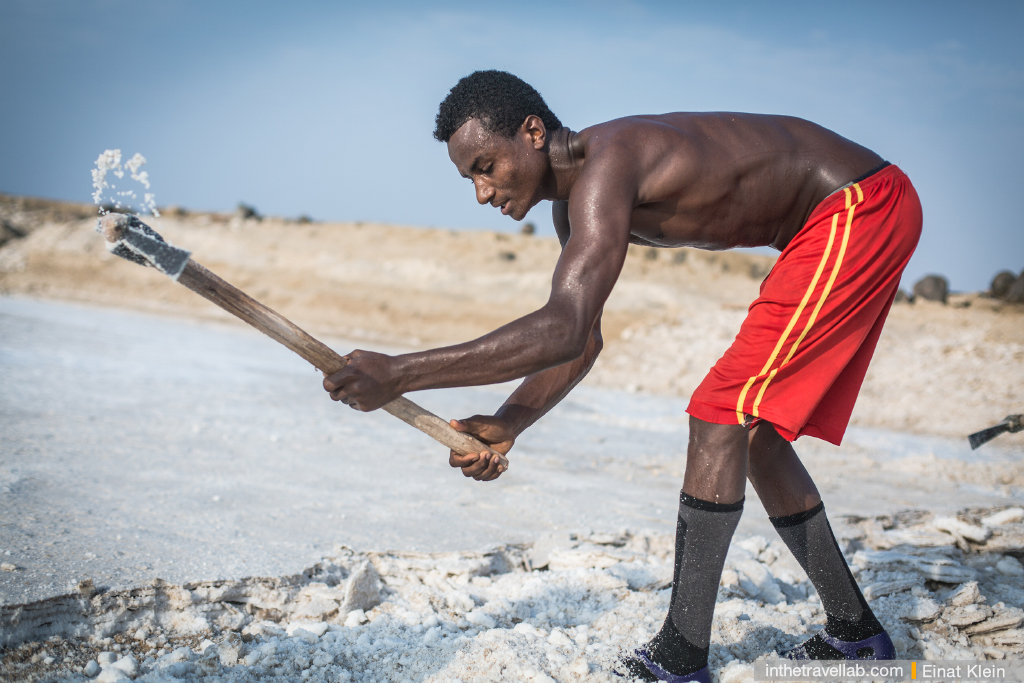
(204, 454)
(563, 610)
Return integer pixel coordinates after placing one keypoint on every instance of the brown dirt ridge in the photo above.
(939, 369)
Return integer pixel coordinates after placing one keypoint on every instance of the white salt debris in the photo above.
(1007, 516)
(1010, 566)
(492, 616)
(956, 527)
(110, 162)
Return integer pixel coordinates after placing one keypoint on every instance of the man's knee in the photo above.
(711, 437)
(765, 442)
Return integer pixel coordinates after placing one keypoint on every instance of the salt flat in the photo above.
(136, 446)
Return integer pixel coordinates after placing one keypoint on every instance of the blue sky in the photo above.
(327, 108)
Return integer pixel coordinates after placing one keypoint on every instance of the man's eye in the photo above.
(489, 168)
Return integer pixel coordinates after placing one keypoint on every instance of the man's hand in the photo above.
(367, 382)
(494, 432)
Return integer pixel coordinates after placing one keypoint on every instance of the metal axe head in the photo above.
(1011, 423)
(131, 239)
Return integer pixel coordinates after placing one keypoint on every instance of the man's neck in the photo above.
(566, 163)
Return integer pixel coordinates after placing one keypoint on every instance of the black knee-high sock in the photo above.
(703, 532)
(811, 541)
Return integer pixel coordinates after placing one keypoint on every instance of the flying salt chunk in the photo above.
(133, 165)
(109, 160)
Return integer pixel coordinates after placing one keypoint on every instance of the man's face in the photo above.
(507, 173)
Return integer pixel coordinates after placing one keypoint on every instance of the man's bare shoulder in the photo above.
(631, 131)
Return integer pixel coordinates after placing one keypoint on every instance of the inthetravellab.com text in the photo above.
(897, 670)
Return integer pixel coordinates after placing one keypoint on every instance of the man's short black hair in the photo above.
(498, 99)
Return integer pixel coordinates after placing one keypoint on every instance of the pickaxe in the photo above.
(1010, 423)
(130, 238)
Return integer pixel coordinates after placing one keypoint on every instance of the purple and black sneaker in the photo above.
(824, 646)
(640, 666)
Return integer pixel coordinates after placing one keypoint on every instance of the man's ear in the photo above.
(536, 130)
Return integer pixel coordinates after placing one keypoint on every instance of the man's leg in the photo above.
(795, 508)
(710, 506)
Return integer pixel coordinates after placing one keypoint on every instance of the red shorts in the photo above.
(802, 352)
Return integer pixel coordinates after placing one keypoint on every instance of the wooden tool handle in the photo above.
(239, 304)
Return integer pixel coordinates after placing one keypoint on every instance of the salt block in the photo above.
(957, 527)
(355, 617)
(106, 658)
(1012, 637)
(883, 588)
(230, 649)
(305, 636)
(362, 590)
(91, 669)
(110, 675)
(128, 664)
(316, 628)
(559, 639)
(1007, 516)
(966, 594)
(1010, 566)
(922, 610)
(1000, 621)
(966, 615)
(481, 619)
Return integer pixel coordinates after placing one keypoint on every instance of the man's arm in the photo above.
(557, 334)
(542, 391)
(538, 393)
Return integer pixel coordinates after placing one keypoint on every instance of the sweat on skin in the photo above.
(707, 180)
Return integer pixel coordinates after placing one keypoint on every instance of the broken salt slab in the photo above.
(317, 629)
(1001, 621)
(957, 527)
(481, 619)
(966, 615)
(883, 588)
(1007, 516)
(1010, 566)
(355, 618)
(966, 594)
(128, 665)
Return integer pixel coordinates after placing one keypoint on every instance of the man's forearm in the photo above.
(542, 391)
(545, 339)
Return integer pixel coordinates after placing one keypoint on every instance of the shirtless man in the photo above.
(846, 223)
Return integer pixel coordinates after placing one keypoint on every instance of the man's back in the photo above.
(719, 180)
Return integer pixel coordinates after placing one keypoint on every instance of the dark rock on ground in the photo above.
(903, 298)
(1015, 295)
(932, 288)
(245, 211)
(1001, 284)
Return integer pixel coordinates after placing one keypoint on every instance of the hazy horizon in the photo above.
(327, 109)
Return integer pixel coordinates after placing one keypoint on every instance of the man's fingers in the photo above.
(336, 381)
(491, 471)
(456, 460)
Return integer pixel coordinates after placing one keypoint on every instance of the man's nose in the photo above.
(483, 192)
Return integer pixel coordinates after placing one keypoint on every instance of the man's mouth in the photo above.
(504, 208)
